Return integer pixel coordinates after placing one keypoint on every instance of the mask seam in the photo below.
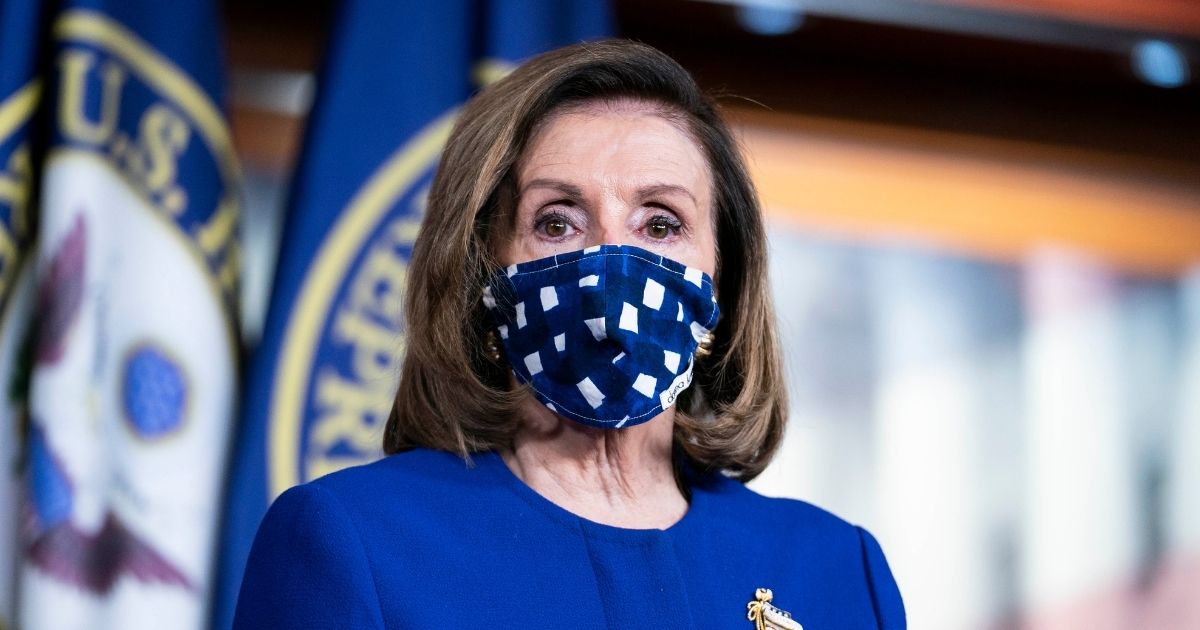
(712, 314)
(564, 264)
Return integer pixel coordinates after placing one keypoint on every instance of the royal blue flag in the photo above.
(20, 93)
(322, 381)
(133, 369)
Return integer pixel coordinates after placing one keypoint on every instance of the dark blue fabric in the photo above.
(184, 32)
(21, 26)
(20, 45)
(605, 335)
(421, 540)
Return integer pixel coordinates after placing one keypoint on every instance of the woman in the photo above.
(591, 375)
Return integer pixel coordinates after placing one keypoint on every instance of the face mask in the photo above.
(604, 336)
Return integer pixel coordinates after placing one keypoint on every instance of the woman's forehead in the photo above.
(631, 137)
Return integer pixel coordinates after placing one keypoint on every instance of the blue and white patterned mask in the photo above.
(604, 336)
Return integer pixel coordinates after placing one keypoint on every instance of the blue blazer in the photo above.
(423, 540)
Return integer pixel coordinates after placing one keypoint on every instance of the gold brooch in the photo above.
(767, 617)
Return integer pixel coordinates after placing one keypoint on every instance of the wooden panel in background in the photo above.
(267, 140)
(985, 197)
(1179, 17)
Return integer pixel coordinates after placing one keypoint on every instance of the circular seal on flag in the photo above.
(134, 371)
(340, 356)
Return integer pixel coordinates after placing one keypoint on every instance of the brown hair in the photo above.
(451, 397)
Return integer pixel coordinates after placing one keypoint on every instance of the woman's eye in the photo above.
(555, 228)
(660, 228)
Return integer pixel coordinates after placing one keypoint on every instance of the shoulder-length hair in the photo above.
(451, 397)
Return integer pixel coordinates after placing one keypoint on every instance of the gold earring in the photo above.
(491, 348)
(704, 348)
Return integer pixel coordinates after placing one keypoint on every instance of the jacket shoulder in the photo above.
(417, 490)
(798, 534)
(784, 516)
(407, 475)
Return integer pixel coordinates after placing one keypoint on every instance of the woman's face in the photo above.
(613, 173)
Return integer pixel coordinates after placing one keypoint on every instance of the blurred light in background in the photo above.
(1160, 63)
(770, 18)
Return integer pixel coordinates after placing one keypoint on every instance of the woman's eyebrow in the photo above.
(570, 190)
(575, 192)
(666, 189)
